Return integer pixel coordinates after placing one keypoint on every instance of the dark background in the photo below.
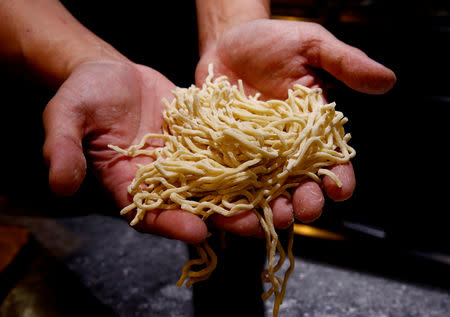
(400, 138)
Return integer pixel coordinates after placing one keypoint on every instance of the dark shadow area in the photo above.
(372, 256)
(235, 287)
(37, 283)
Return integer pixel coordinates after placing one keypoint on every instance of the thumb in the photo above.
(63, 150)
(352, 66)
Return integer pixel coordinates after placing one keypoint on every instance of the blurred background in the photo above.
(395, 224)
(400, 136)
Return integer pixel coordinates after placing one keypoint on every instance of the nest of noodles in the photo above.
(226, 152)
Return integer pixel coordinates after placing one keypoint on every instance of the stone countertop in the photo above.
(131, 274)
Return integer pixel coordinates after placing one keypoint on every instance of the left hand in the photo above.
(270, 57)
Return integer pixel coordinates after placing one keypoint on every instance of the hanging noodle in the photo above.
(225, 152)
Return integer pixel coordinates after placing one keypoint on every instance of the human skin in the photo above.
(104, 98)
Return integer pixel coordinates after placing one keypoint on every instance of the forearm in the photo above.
(216, 16)
(47, 39)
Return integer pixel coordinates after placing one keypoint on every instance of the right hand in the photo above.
(111, 102)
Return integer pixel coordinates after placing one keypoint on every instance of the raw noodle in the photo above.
(225, 152)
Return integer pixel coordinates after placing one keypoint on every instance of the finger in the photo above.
(351, 66)
(308, 201)
(346, 175)
(245, 223)
(283, 212)
(173, 224)
(63, 149)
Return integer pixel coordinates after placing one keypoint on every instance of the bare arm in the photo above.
(215, 17)
(47, 39)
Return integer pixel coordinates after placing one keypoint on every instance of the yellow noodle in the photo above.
(226, 152)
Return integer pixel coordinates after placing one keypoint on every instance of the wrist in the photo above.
(54, 64)
(216, 17)
(78, 52)
(52, 59)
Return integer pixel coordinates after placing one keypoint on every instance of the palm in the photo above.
(266, 55)
(131, 107)
(270, 57)
(114, 103)
(110, 103)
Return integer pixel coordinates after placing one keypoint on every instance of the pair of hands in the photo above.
(111, 102)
